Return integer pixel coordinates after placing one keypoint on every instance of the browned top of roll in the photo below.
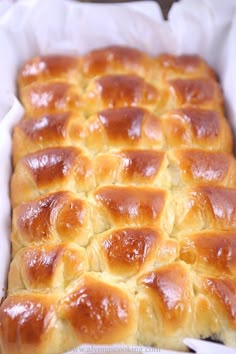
(99, 312)
(124, 204)
(48, 67)
(115, 58)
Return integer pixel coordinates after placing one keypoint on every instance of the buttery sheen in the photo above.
(123, 205)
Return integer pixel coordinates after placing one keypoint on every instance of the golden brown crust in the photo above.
(138, 129)
(210, 252)
(143, 165)
(34, 134)
(54, 217)
(99, 312)
(201, 167)
(201, 92)
(54, 162)
(52, 169)
(128, 127)
(30, 318)
(113, 91)
(127, 166)
(134, 206)
(206, 207)
(46, 268)
(115, 59)
(50, 97)
(127, 252)
(197, 127)
(169, 290)
(184, 65)
(222, 292)
(123, 196)
(48, 67)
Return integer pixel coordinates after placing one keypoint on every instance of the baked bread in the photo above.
(124, 205)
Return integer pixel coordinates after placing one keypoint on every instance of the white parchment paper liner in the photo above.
(205, 27)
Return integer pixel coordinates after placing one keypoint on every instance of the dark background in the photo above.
(165, 4)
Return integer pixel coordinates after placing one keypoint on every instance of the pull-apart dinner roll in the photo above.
(123, 198)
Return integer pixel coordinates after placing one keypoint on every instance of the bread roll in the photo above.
(124, 205)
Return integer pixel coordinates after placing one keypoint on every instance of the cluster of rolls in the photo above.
(124, 205)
